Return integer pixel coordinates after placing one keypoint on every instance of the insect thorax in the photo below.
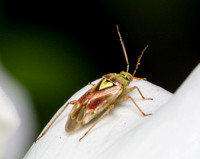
(113, 79)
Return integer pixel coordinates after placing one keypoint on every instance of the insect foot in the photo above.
(147, 114)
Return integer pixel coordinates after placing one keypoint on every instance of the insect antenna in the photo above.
(138, 61)
(123, 47)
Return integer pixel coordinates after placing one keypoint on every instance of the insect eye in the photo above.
(128, 77)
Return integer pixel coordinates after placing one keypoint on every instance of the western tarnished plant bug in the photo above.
(101, 98)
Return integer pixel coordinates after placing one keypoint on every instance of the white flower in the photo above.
(171, 132)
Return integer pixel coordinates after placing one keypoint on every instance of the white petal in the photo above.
(17, 124)
(112, 137)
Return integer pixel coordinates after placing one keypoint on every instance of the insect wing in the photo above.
(99, 100)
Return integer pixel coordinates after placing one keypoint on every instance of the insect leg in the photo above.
(129, 97)
(119, 101)
(139, 78)
(98, 120)
(72, 102)
(135, 87)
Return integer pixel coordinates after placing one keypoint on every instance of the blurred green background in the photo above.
(54, 48)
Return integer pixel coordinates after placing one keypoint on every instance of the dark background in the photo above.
(56, 48)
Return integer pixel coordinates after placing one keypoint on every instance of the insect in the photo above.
(101, 98)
